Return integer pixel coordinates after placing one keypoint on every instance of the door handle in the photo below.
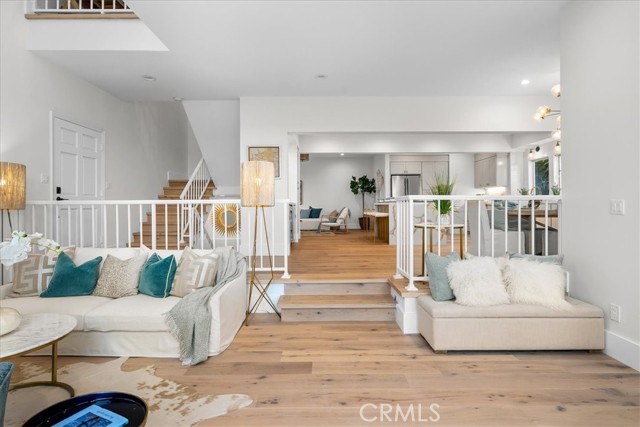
(60, 198)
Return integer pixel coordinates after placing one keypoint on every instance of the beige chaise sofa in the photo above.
(133, 325)
(450, 326)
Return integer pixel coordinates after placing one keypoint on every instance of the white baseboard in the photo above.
(622, 349)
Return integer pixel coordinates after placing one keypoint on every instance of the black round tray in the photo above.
(129, 406)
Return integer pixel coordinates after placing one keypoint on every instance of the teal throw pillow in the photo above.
(157, 275)
(549, 259)
(438, 280)
(304, 213)
(315, 212)
(69, 280)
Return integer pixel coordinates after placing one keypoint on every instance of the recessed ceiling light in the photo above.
(177, 98)
(525, 82)
(342, 154)
(321, 76)
(148, 78)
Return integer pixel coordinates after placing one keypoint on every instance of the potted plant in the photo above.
(363, 185)
(555, 190)
(524, 191)
(441, 186)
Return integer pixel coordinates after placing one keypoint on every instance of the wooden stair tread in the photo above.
(336, 301)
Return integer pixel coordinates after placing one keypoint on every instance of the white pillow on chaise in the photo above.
(532, 282)
(477, 282)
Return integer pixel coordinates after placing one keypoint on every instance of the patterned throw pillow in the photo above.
(119, 278)
(194, 272)
(31, 277)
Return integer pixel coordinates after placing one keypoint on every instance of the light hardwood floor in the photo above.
(322, 374)
(345, 256)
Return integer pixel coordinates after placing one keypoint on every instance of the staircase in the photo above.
(167, 235)
(337, 301)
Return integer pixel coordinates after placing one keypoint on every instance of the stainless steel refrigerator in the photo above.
(405, 185)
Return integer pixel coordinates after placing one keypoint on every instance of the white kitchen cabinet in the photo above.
(396, 168)
(491, 170)
(432, 168)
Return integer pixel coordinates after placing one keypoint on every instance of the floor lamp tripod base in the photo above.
(255, 280)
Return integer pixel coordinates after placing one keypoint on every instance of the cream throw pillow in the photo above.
(477, 282)
(532, 282)
(194, 272)
(31, 277)
(119, 278)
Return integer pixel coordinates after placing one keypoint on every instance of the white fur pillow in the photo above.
(532, 282)
(477, 282)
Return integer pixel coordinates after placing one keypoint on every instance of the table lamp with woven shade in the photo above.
(257, 190)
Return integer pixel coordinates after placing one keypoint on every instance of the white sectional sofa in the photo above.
(133, 325)
(450, 326)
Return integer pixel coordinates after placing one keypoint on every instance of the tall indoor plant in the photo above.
(363, 185)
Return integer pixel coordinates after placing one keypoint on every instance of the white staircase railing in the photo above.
(195, 189)
(79, 6)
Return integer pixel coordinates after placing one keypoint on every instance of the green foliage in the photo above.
(362, 185)
(555, 190)
(524, 191)
(441, 186)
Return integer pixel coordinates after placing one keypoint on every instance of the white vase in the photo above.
(445, 219)
(9, 320)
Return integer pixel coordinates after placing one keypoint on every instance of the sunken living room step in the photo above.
(332, 308)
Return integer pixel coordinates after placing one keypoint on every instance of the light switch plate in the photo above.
(616, 207)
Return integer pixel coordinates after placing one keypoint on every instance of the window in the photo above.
(541, 176)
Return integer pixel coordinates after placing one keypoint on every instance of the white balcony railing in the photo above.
(78, 6)
(481, 225)
(112, 224)
(195, 189)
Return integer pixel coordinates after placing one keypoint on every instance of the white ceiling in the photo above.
(231, 49)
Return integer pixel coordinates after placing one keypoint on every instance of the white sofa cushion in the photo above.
(77, 307)
(135, 313)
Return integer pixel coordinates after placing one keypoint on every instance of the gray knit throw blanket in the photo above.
(189, 321)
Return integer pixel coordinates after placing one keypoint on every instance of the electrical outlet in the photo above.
(44, 178)
(614, 312)
(616, 207)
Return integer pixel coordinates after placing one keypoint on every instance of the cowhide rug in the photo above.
(169, 403)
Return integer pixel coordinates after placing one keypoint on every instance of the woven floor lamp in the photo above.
(13, 189)
(257, 191)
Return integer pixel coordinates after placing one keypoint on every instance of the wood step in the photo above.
(336, 288)
(332, 308)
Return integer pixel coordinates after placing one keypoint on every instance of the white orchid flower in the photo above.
(20, 245)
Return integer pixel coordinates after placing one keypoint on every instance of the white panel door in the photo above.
(77, 170)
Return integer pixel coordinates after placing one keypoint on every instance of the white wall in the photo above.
(216, 127)
(462, 168)
(193, 151)
(326, 184)
(143, 140)
(600, 109)
(268, 121)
